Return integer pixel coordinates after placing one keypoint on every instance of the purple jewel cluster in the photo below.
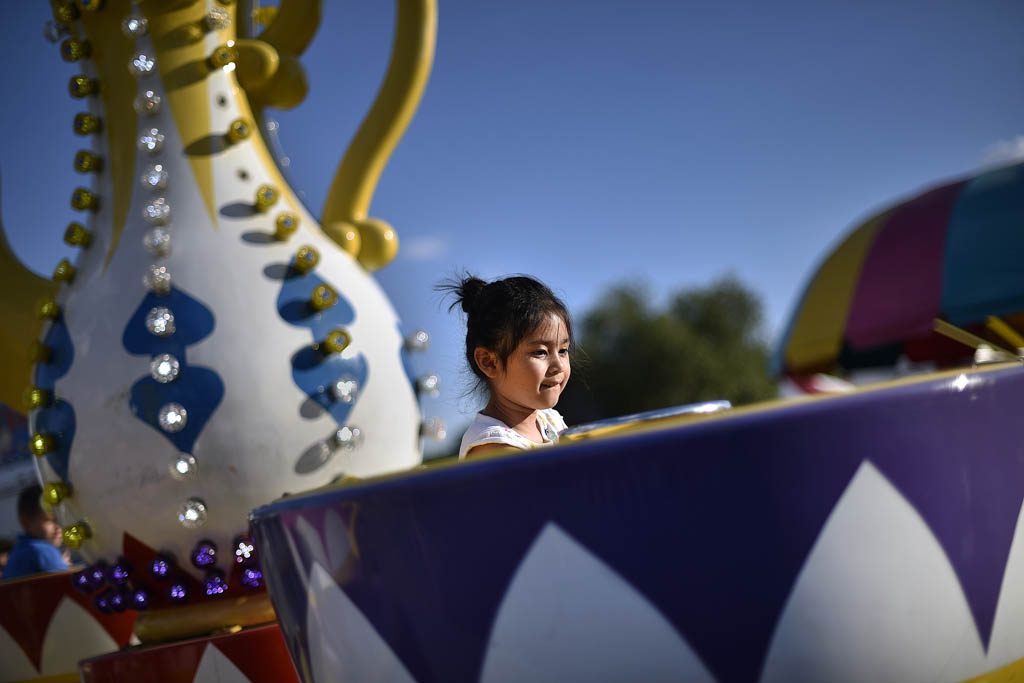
(178, 592)
(161, 569)
(251, 577)
(245, 554)
(116, 591)
(204, 555)
(215, 583)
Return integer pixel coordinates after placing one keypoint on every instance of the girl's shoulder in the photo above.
(485, 430)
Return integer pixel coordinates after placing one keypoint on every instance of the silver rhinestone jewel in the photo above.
(157, 279)
(429, 384)
(160, 321)
(434, 428)
(244, 550)
(155, 177)
(183, 466)
(134, 26)
(147, 103)
(164, 368)
(192, 513)
(151, 141)
(142, 64)
(217, 19)
(172, 417)
(418, 341)
(345, 389)
(157, 212)
(157, 242)
(348, 437)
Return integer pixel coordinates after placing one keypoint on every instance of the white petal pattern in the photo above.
(215, 667)
(877, 599)
(567, 616)
(343, 645)
(73, 635)
(14, 663)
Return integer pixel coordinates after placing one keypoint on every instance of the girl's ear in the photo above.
(487, 361)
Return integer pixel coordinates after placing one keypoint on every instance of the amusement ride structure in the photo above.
(223, 415)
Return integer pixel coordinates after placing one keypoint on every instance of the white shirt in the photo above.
(489, 430)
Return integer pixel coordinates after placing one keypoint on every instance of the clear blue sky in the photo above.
(589, 142)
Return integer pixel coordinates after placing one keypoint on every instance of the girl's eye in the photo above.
(540, 354)
(564, 352)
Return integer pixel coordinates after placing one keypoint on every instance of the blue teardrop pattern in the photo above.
(198, 389)
(312, 371)
(58, 418)
(405, 355)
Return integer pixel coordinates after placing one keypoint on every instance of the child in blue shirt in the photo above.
(37, 549)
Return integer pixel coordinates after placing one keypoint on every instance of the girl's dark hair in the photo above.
(501, 313)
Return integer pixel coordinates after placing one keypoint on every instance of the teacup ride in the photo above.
(871, 535)
(47, 626)
(213, 345)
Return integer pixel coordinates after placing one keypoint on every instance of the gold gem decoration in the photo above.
(90, 5)
(35, 398)
(83, 86)
(84, 200)
(75, 534)
(48, 309)
(64, 12)
(40, 444)
(86, 161)
(323, 298)
(55, 492)
(86, 124)
(306, 259)
(285, 225)
(39, 352)
(77, 236)
(223, 55)
(73, 50)
(337, 341)
(239, 130)
(264, 16)
(64, 272)
(266, 197)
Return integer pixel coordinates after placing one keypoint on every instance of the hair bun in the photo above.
(468, 291)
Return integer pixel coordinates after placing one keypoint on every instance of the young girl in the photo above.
(518, 336)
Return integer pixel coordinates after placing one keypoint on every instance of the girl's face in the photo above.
(538, 369)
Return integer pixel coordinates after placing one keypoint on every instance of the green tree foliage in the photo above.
(705, 344)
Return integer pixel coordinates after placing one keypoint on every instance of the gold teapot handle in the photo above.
(345, 218)
(269, 70)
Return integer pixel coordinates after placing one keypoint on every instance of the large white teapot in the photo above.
(212, 347)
